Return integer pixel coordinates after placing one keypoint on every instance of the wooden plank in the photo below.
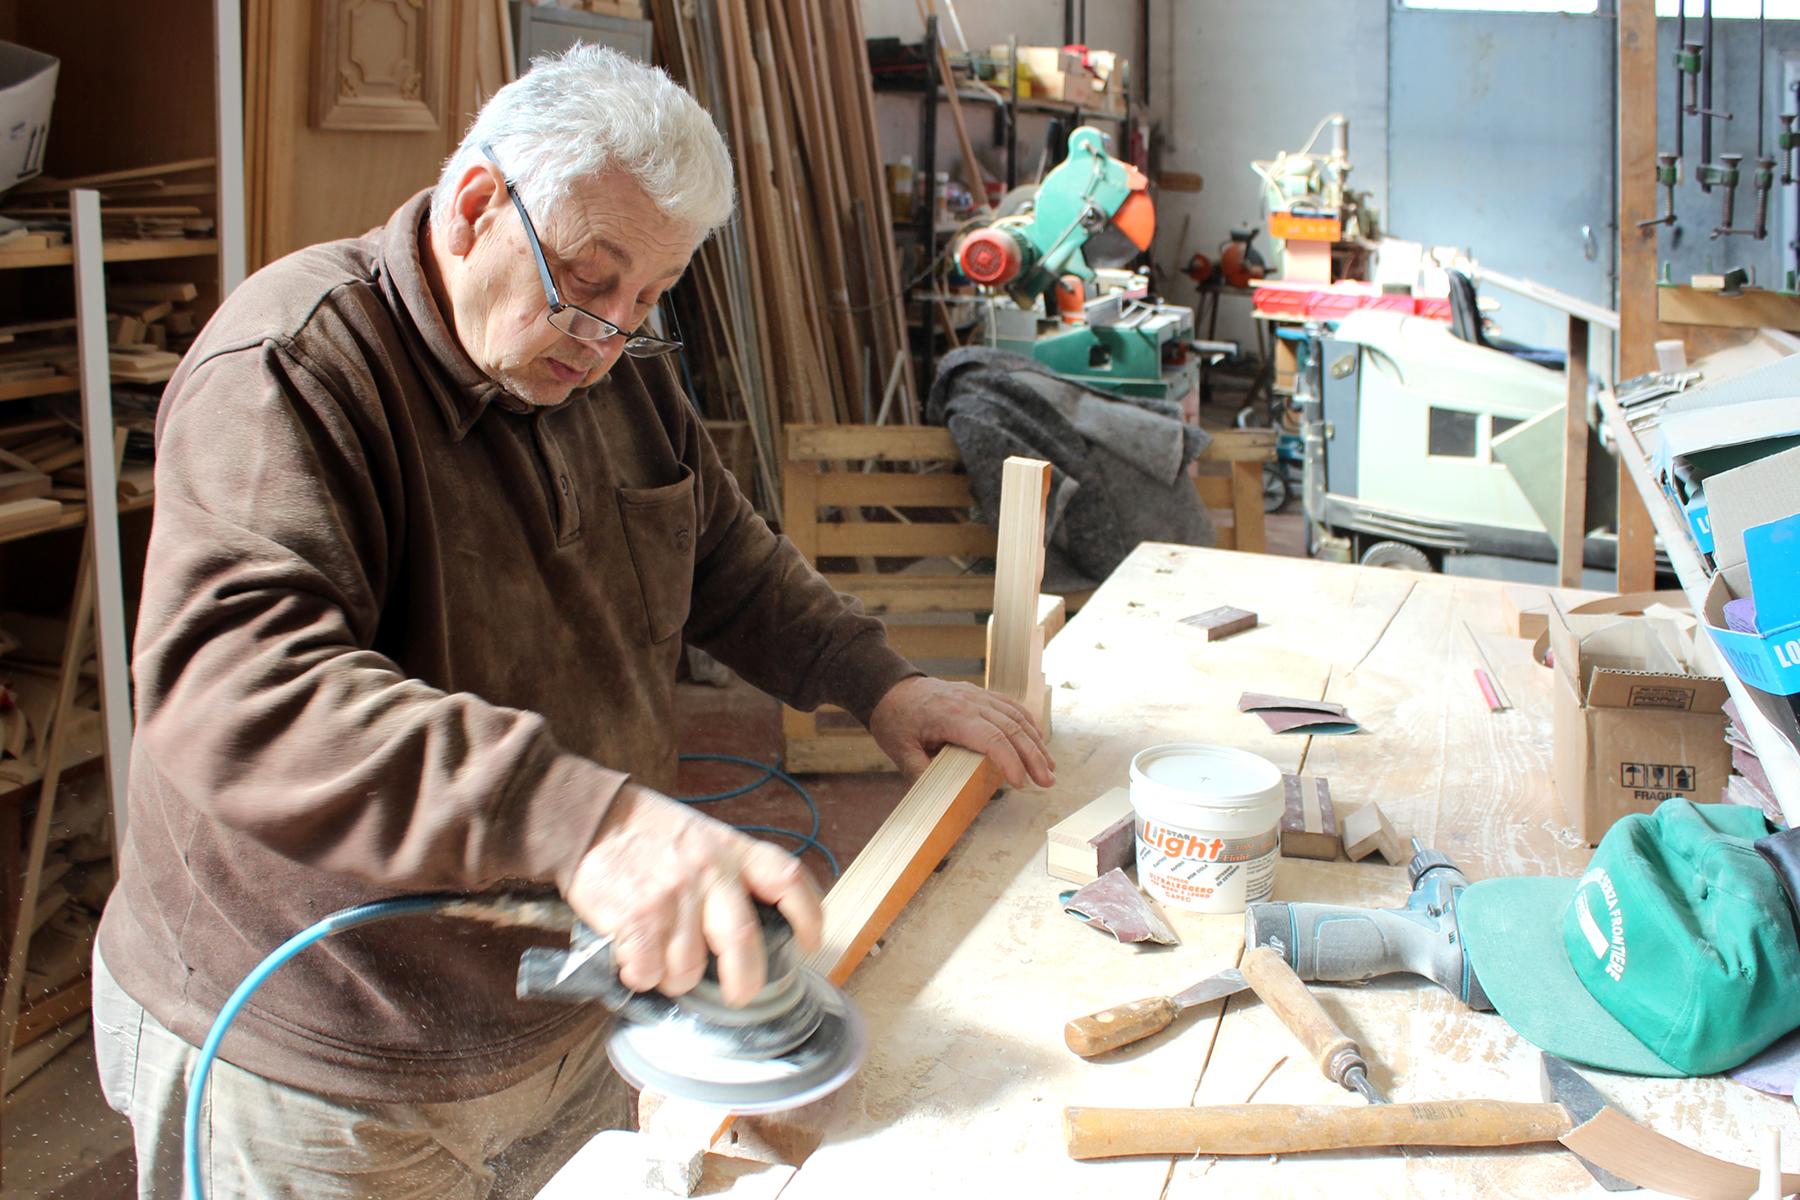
(800, 506)
(1247, 507)
(905, 541)
(1018, 573)
(47, 1012)
(1639, 326)
(845, 443)
(130, 174)
(936, 809)
(939, 641)
(1240, 445)
(25, 516)
(849, 751)
(917, 593)
(1755, 308)
(894, 490)
(1572, 536)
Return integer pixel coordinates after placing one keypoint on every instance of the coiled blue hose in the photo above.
(377, 910)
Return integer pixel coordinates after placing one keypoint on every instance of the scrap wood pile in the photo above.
(78, 869)
(43, 463)
(161, 200)
(797, 312)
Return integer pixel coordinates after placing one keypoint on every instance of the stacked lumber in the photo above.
(797, 303)
(43, 465)
(77, 875)
(161, 200)
(30, 660)
(31, 452)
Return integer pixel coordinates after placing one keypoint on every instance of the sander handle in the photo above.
(1257, 1129)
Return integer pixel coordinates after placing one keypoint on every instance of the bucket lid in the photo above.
(1209, 773)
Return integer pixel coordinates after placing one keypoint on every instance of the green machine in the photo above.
(1097, 327)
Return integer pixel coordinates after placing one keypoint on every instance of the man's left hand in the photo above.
(921, 715)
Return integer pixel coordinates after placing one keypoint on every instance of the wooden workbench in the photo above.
(967, 1075)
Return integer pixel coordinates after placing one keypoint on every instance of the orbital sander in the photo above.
(798, 1040)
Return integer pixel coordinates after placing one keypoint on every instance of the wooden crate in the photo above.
(836, 479)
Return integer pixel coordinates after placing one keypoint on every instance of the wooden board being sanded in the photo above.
(945, 799)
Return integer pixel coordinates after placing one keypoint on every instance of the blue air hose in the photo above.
(377, 910)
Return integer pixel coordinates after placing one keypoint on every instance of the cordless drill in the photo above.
(1340, 944)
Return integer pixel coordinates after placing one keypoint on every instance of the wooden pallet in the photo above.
(834, 475)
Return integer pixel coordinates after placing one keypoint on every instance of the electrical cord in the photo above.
(337, 922)
(808, 841)
(399, 906)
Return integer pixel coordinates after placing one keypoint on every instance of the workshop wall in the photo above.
(1689, 246)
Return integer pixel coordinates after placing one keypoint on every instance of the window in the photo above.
(1502, 424)
(1452, 433)
(1531, 6)
(1777, 10)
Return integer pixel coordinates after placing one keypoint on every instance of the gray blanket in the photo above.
(1118, 463)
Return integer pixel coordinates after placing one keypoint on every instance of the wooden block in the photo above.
(1366, 830)
(137, 479)
(147, 311)
(1309, 824)
(182, 321)
(1221, 622)
(23, 485)
(179, 291)
(1092, 840)
(23, 516)
(68, 456)
(124, 330)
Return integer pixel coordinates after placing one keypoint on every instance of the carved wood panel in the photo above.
(378, 65)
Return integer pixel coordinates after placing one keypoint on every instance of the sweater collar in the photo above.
(462, 390)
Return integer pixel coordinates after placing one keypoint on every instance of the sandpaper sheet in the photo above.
(1291, 714)
(1113, 904)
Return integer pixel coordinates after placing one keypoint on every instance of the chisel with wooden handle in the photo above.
(1291, 1128)
(1339, 1057)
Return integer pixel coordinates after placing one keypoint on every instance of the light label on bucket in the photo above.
(1204, 870)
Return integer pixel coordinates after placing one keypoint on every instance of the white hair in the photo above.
(590, 110)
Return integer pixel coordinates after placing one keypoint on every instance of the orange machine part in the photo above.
(1071, 299)
(1289, 227)
(1136, 219)
(990, 257)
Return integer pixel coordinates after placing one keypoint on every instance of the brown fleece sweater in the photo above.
(402, 633)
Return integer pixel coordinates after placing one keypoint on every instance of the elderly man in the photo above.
(433, 521)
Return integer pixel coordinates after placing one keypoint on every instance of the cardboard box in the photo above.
(27, 90)
(1527, 608)
(1060, 74)
(1635, 724)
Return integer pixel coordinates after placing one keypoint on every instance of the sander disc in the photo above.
(667, 1057)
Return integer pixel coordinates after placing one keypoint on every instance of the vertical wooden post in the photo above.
(1247, 507)
(1573, 534)
(1638, 326)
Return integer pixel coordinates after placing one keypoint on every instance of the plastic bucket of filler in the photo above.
(1208, 821)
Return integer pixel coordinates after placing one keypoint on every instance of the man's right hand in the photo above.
(667, 884)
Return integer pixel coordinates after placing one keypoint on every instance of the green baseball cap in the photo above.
(1675, 954)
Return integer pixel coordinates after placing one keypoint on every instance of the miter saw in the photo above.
(1052, 251)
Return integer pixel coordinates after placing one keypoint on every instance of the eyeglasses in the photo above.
(572, 319)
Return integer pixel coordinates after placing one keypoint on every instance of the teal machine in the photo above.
(1096, 326)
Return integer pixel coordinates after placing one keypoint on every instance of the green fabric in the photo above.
(1675, 953)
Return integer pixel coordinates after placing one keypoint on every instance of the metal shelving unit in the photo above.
(1779, 758)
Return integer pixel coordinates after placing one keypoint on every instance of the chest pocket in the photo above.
(660, 528)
